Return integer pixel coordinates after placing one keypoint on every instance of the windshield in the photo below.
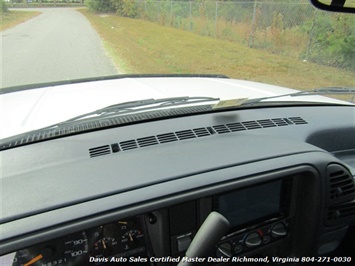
(284, 46)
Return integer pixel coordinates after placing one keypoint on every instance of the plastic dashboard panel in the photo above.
(62, 190)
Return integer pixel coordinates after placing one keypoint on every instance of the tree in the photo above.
(103, 6)
(3, 7)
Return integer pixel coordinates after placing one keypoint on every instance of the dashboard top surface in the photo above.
(32, 174)
(51, 184)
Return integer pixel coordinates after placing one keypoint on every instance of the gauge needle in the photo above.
(130, 236)
(40, 256)
(103, 243)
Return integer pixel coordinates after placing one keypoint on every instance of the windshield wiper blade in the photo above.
(140, 105)
(317, 91)
(77, 125)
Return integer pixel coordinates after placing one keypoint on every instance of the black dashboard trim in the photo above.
(44, 234)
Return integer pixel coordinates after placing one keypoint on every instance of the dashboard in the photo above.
(282, 176)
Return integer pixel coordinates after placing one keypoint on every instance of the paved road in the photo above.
(59, 44)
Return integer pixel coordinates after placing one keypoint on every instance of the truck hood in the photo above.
(27, 110)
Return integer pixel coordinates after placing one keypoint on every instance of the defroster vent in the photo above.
(146, 141)
(98, 151)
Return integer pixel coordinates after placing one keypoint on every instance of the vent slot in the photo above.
(148, 141)
(266, 123)
(236, 127)
(341, 213)
(341, 195)
(298, 120)
(185, 134)
(280, 122)
(181, 135)
(98, 151)
(251, 125)
(221, 129)
(203, 132)
(128, 145)
(341, 186)
(169, 137)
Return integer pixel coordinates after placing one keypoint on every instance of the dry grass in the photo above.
(289, 42)
(12, 18)
(139, 46)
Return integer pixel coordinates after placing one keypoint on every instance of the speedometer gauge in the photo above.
(69, 250)
(123, 238)
(105, 246)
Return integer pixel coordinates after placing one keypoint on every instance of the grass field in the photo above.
(12, 18)
(139, 46)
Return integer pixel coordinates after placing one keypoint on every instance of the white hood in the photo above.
(28, 110)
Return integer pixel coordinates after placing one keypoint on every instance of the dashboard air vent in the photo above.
(220, 129)
(185, 134)
(98, 151)
(341, 195)
(281, 122)
(297, 120)
(168, 137)
(148, 141)
(341, 213)
(341, 184)
(253, 124)
(203, 132)
(266, 123)
(128, 145)
(195, 133)
(235, 127)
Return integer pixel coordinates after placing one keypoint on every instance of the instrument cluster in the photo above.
(120, 239)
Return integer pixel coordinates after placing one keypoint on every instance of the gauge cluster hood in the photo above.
(27, 110)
